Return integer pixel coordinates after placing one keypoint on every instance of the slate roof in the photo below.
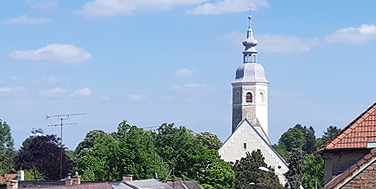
(353, 171)
(147, 184)
(185, 185)
(358, 134)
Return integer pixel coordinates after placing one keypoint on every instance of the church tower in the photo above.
(250, 88)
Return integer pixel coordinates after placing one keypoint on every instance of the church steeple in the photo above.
(250, 88)
(250, 52)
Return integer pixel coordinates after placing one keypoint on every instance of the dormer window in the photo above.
(248, 97)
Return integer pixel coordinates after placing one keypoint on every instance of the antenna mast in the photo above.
(62, 117)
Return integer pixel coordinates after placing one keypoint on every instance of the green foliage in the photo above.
(215, 171)
(7, 153)
(248, 174)
(109, 156)
(296, 166)
(209, 140)
(313, 172)
(193, 160)
(281, 150)
(90, 137)
(293, 138)
(32, 174)
(330, 132)
(309, 144)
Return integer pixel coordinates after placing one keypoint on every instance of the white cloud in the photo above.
(127, 7)
(24, 19)
(192, 88)
(105, 98)
(9, 90)
(136, 97)
(229, 6)
(56, 92)
(44, 5)
(361, 35)
(84, 92)
(54, 52)
(185, 72)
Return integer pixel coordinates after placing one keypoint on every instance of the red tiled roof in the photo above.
(350, 172)
(357, 134)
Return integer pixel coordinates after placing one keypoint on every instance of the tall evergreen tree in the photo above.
(296, 166)
(7, 153)
(309, 145)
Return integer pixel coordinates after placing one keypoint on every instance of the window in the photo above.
(244, 146)
(248, 97)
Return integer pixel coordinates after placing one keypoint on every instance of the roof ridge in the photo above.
(332, 143)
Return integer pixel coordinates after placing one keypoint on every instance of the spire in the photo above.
(250, 52)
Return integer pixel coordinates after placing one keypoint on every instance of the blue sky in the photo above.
(157, 61)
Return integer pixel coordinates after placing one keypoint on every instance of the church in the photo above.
(250, 112)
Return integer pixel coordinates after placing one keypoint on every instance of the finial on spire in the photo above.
(250, 52)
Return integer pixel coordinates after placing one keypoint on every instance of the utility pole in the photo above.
(62, 117)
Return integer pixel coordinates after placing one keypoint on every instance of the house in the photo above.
(362, 174)
(350, 145)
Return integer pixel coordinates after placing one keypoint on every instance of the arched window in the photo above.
(248, 97)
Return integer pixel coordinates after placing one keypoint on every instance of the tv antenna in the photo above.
(62, 117)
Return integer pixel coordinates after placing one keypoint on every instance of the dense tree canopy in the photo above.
(293, 138)
(209, 140)
(43, 154)
(248, 174)
(129, 150)
(313, 172)
(7, 153)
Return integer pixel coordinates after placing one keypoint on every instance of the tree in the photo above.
(43, 153)
(129, 150)
(90, 137)
(293, 138)
(248, 174)
(193, 161)
(209, 140)
(313, 171)
(309, 144)
(330, 132)
(7, 153)
(214, 171)
(296, 166)
(281, 150)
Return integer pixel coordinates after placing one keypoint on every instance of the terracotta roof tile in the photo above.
(357, 134)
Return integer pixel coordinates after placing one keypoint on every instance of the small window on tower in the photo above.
(244, 146)
(249, 97)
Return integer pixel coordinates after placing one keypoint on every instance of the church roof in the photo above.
(360, 133)
(265, 141)
(352, 171)
(250, 72)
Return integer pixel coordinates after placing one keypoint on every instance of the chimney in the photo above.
(76, 179)
(12, 184)
(127, 177)
(69, 180)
